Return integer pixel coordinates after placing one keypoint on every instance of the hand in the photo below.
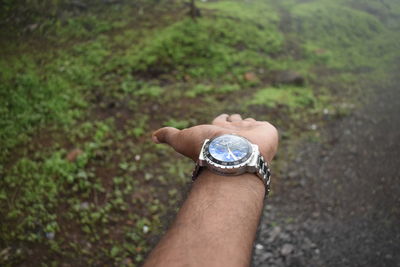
(188, 141)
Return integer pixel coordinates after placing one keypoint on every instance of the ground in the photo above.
(82, 183)
(338, 201)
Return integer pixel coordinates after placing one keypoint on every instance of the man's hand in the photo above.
(188, 142)
(216, 225)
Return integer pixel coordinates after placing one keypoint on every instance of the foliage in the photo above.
(205, 48)
(30, 98)
(289, 96)
(356, 34)
(59, 18)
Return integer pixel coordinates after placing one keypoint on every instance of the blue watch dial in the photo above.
(229, 148)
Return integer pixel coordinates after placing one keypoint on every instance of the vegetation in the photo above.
(82, 183)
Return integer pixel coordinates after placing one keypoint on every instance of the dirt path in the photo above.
(339, 204)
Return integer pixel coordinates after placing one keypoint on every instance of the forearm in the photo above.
(217, 224)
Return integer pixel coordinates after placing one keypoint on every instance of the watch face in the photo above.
(228, 150)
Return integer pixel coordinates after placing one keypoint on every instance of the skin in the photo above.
(217, 223)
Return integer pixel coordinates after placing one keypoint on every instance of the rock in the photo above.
(289, 77)
(287, 249)
(274, 233)
(388, 256)
(32, 27)
(78, 4)
(259, 247)
(313, 127)
(315, 214)
(5, 253)
(266, 256)
(74, 154)
(320, 51)
(308, 244)
(84, 205)
(128, 262)
(284, 237)
(293, 174)
(250, 77)
(50, 235)
(290, 227)
(278, 263)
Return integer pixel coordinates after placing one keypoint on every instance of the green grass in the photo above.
(343, 37)
(204, 48)
(287, 96)
(107, 79)
(37, 91)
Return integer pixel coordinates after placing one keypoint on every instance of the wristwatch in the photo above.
(231, 154)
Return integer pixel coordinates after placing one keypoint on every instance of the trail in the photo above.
(339, 204)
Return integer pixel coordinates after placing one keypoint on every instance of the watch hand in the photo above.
(230, 152)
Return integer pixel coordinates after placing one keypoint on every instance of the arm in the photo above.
(216, 225)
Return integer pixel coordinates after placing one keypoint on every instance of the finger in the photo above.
(166, 135)
(221, 119)
(235, 117)
(250, 119)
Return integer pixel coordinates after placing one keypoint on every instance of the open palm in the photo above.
(188, 141)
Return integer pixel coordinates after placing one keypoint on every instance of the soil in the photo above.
(338, 202)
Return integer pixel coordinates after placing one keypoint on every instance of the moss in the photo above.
(291, 97)
(208, 47)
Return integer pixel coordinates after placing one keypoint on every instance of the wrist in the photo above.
(246, 185)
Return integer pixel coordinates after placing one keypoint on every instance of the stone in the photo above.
(266, 256)
(250, 77)
(50, 235)
(273, 234)
(74, 154)
(289, 77)
(287, 249)
(259, 247)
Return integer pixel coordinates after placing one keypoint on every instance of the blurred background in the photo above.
(84, 83)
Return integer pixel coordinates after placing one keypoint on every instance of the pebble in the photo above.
(315, 214)
(284, 236)
(84, 205)
(259, 247)
(313, 127)
(287, 249)
(275, 232)
(50, 235)
(266, 256)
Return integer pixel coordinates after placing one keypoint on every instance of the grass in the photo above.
(203, 48)
(286, 96)
(355, 33)
(97, 84)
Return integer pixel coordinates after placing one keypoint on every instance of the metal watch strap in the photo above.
(263, 172)
(196, 171)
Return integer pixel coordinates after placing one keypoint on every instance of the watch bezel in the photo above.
(225, 164)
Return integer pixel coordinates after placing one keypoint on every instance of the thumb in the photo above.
(166, 135)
